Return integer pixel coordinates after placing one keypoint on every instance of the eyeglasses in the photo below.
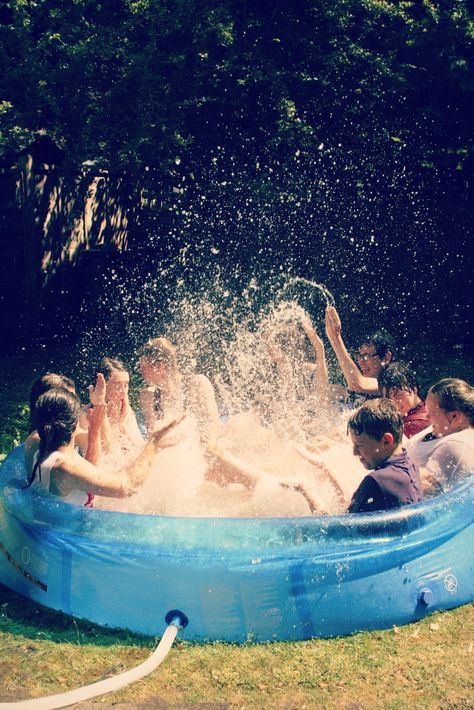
(366, 356)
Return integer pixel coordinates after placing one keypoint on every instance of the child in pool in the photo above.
(376, 430)
(120, 434)
(43, 384)
(398, 382)
(373, 353)
(59, 469)
(168, 390)
(445, 454)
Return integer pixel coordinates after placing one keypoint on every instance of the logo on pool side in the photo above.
(451, 582)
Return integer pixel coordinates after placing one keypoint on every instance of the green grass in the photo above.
(424, 665)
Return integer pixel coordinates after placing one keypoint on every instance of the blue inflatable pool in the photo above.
(237, 579)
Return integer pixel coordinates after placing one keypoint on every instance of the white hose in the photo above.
(110, 684)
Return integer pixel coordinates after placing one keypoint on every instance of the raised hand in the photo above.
(97, 392)
(333, 323)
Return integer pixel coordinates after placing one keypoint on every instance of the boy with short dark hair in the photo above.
(376, 430)
(398, 382)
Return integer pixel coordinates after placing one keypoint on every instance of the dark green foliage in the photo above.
(15, 428)
(334, 136)
(135, 84)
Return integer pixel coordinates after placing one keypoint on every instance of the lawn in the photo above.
(424, 665)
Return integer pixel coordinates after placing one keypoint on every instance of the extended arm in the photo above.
(355, 380)
(87, 477)
(320, 375)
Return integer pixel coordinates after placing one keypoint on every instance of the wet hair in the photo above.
(43, 384)
(108, 364)
(56, 415)
(159, 350)
(455, 395)
(397, 376)
(382, 341)
(376, 418)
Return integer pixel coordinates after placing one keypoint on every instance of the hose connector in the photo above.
(177, 618)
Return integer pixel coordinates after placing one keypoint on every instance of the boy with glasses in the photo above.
(373, 354)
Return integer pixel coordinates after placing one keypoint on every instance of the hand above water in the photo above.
(97, 391)
(333, 323)
(310, 331)
(161, 438)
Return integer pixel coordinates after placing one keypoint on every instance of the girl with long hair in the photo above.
(60, 469)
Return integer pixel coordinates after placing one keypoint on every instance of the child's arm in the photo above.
(355, 380)
(122, 483)
(320, 374)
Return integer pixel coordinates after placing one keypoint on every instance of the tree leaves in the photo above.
(127, 84)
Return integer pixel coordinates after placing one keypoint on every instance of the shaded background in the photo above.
(228, 144)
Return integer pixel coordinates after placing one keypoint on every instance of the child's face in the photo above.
(154, 373)
(371, 452)
(117, 387)
(369, 362)
(405, 400)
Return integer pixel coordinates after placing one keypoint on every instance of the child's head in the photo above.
(374, 352)
(376, 430)
(157, 358)
(56, 414)
(450, 404)
(398, 382)
(43, 384)
(117, 379)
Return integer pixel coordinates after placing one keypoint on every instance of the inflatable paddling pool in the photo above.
(237, 579)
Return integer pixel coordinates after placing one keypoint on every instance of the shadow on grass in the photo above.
(20, 616)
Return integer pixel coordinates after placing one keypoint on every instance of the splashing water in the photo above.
(294, 280)
(260, 363)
